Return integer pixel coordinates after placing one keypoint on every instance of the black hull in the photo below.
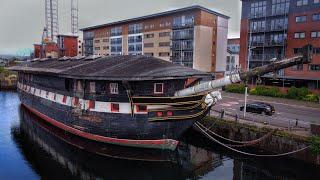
(119, 129)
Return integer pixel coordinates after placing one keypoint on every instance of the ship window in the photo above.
(79, 86)
(64, 99)
(158, 88)
(92, 104)
(114, 88)
(92, 87)
(141, 108)
(75, 101)
(115, 107)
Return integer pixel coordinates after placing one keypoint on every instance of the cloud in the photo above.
(22, 21)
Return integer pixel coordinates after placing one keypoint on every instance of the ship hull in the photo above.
(112, 128)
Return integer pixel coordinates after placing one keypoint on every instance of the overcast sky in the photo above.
(22, 21)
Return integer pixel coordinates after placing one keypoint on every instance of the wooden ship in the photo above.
(135, 101)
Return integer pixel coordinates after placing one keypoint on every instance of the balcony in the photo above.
(181, 36)
(262, 14)
(182, 26)
(265, 57)
(269, 29)
(135, 31)
(182, 48)
(268, 43)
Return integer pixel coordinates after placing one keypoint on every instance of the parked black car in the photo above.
(260, 108)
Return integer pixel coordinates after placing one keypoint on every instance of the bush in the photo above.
(311, 98)
(315, 145)
(298, 93)
(266, 91)
(235, 88)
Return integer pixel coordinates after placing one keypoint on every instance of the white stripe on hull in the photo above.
(100, 106)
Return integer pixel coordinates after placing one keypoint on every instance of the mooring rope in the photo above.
(234, 141)
(246, 153)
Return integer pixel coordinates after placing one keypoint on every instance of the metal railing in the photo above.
(251, 118)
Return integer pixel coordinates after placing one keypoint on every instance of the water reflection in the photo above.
(47, 147)
(34, 149)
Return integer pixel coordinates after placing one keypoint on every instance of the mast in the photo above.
(239, 76)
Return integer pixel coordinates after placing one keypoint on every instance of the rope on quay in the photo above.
(244, 143)
(246, 153)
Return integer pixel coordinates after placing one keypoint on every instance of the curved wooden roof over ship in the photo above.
(127, 67)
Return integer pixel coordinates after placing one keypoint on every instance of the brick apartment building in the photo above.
(67, 45)
(193, 36)
(277, 29)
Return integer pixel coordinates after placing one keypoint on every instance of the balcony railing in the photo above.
(182, 48)
(269, 29)
(180, 26)
(265, 57)
(181, 37)
(268, 43)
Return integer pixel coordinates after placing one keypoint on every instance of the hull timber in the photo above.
(140, 130)
(121, 100)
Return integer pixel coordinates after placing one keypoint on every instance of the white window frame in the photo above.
(155, 88)
(114, 88)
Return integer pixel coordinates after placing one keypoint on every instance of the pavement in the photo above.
(288, 111)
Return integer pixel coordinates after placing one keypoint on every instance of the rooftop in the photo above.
(129, 67)
(159, 14)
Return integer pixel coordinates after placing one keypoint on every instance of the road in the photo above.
(286, 110)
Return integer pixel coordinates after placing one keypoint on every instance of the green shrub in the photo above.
(315, 145)
(298, 93)
(267, 91)
(311, 98)
(235, 88)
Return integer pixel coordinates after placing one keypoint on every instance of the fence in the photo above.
(262, 119)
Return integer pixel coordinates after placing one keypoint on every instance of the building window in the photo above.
(315, 34)
(280, 6)
(158, 88)
(298, 67)
(164, 34)
(148, 54)
(316, 50)
(135, 28)
(258, 26)
(301, 19)
(147, 36)
(105, 40)
(280, 23)
(302, 2)
(316, 17)
(258, 9)
(115, 107)
(299, 35)
(105, 47)
(164, 54)
(114, 88)
(147, 45)
(141, 108)
(116, 31)
(96, 41)
(314, 67)
(297, 50)
(164, 44)
(92, 88)
(97, 48)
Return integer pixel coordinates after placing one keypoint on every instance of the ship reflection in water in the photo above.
(73, 156)
(55, 154)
